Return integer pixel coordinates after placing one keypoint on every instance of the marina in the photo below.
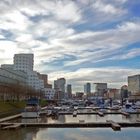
(79, 118)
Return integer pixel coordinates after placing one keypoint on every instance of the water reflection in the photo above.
(70, 134)
(19, 134)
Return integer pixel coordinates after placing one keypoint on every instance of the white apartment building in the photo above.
(21, 72)
(49, 93)
(24, 62)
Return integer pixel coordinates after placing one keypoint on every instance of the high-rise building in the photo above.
(69, 90)
(87, 88)
(100, 89)
(134, 84)
(24, 62)
(124, 91)
(59, 86)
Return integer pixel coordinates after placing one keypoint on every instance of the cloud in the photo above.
(8, 49)
(127, 54)
(105, 8)
(14, 21)
(69, 36)
(99, 46)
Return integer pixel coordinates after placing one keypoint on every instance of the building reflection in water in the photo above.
(62, 119)
(19, 134)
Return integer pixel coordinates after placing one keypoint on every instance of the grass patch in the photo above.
(43, 103)
(10, 105)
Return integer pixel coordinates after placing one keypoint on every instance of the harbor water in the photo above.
(70, 134)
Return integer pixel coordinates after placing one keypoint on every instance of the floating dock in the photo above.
(114, 125)
(125, 114)
(10, 118)
(101, 114)
(12, 126)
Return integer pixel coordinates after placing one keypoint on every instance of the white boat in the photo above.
(32, 109)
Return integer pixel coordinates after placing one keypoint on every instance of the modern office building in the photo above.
(12, 77)
(24, 62)
(59, 86)
(100, 89)
(134, 84)
(87, 88)
(12, 81)
(69, 91)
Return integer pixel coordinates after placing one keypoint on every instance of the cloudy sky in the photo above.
(81, 40)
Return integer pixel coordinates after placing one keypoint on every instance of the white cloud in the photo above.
(14, 21)
(8, 48)
(2, 37)
(106, 8)
(24, 38)
(99, 46)
(52, 29)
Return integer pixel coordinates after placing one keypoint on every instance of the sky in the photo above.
(81, 40)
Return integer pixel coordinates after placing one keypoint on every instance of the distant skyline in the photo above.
(81, 40)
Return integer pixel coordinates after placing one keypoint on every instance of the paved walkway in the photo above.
(10, 117)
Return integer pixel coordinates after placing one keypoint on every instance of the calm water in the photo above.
(70, 134)
(73, 133)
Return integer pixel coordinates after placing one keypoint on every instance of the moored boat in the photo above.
(32, 109)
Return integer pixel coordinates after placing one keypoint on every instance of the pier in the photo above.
(6, 123)
(115, 126)
(101, 114)
(11, 126)
(10, 118)
(125, 113)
